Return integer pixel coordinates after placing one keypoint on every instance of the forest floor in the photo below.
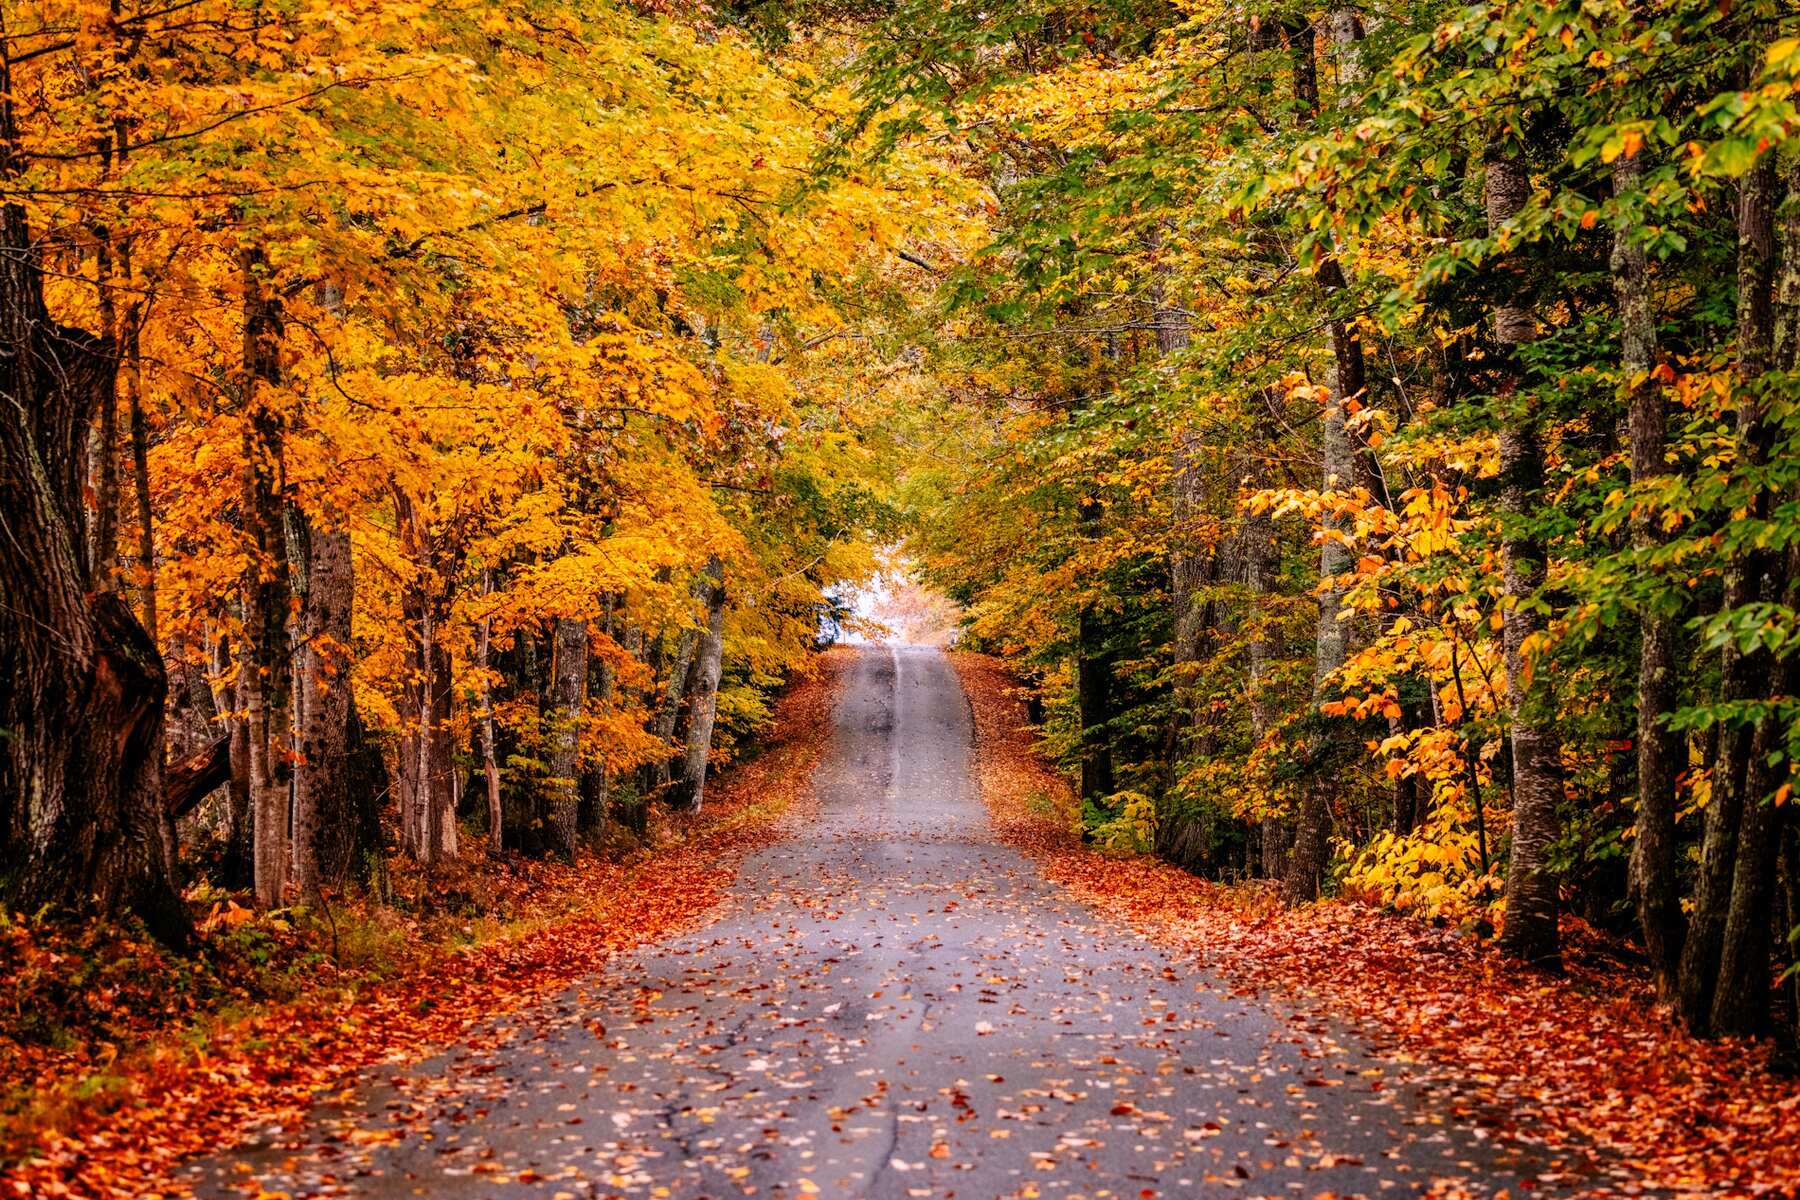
(1581, 1067)
(120, 1061)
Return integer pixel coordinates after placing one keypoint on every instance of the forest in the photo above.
(1376, 437)
(441, 438)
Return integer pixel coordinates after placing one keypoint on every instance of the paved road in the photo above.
(894, 1005)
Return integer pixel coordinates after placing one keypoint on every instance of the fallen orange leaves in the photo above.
(1581, 1065)
(268, 1068)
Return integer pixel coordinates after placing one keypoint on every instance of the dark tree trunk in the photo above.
(324, 814)
(1755, 921)
(267, 586)
(562, 733)
(668, 711)
(82, 686)
(1655, 885)
(1093, 685)
(1531, 884)
(596, 776)
(367, 786)
(1275, 835)
(484, 723)
(239, 870)
(1311, 851)
(140, 475)
(1743, 676)
(634, 813)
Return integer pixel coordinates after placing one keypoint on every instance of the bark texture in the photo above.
(562, 733)
(324, 821)
(267, 661)
(703, 696)
(1531, 885)
(82, 794)
(1655, 886)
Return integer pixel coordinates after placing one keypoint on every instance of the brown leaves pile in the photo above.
(1582, 1066)
(266, 1069)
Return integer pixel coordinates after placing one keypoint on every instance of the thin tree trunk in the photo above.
(140, 474)
(1531, 884)
(703, 695)
(266, 586)
(1093, 686)
(440, 746)
(1741, 999)
(1655, 885)
(240, 867)
(490, 767)
(103, 447)
(1743, 676)
(637, 809)
(1312, 827)
(596, 775)
(668, 712)
(568, 690)
(1256, 534)
(1311, 852)
(427, 744)
(1190, 561)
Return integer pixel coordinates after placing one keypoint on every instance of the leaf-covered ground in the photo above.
(1580, 1066)
(195, 1081)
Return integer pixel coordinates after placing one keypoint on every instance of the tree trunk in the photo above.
(240, 867)
(1740, 1002)
(324, 817)
(1312, 827)
(1531, 885)
(484, 718)
(1655, 885)
(1741, 999)
(82, 791)
(1311, 852)
(103, 446)
(668, 712)
(427, 744)
(703, 696)
(440, 748)
(1256, 533)
(1743, 676)
(596, 775)
(636, 810)
(562, 733)
(140, 474)
(266, 586)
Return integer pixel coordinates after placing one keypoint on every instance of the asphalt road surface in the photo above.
(892, 1005)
